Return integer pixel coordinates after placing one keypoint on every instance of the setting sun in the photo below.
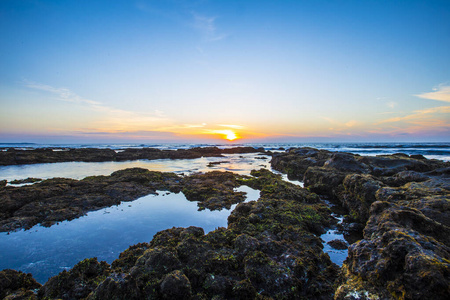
(230, 135)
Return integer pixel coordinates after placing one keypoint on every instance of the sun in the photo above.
(227, 134)
(231, 136)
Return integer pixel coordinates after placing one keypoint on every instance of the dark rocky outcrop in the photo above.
(269, 250)
(17, 285)
(403, 204)
(213, 190)
(60, 199)
(48, 155)
(271, 247)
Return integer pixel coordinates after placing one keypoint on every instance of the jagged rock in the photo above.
(176, 285)
(48, 155)
(17, 285)
(77, 283)
(213, 190)
(338, 244)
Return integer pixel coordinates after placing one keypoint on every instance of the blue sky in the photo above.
(192, 70)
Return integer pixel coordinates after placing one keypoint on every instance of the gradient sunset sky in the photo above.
(169, 71)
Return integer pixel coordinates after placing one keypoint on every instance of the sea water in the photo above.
(46, 251)
(105, 233)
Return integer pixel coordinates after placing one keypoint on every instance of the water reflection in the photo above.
(45, 252)
(238, 163)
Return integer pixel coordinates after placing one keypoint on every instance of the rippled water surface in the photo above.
(105, 233)
(238, 163)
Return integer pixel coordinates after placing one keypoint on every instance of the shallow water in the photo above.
(46, 251)
(336, 256)
(237, 163)
(106, 233)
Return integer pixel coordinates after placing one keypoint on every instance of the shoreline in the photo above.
(48, 155)
(402, 202)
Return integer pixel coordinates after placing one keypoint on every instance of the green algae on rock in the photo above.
(269, 250)
(403, 202)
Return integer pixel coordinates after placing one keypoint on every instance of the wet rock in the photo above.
(17, 285)
(346, 162)
(176, 285)
(26, 180)
(271, 248)
(218, 285)
(77, 283)
(323, 181)
(338, 244)
(213, 190)
(60, 199)
(405, 201)
(359, 192)
(214, 163)
(117, 286)
(296, 161)
(48, 155)
(159, 260)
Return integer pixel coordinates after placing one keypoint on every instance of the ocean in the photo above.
(429, 150)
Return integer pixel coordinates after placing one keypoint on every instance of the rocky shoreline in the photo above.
(12, 156)
(271, 247)
(403, 204)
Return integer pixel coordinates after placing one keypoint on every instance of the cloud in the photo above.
(62, 93)
(207, 27)
(441, 93)
(391, 104)
(112, 118)
(232, 126)
(419, 114)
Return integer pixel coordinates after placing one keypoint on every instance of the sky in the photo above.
(204, 71)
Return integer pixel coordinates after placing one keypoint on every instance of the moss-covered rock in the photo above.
(17, 285)
(213, 190)
(77, 283)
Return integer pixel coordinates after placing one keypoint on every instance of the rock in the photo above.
(213, 190)
(346, 162)
(27, 180)
(338, 244)
(117, 286)
(17, 285)
(176, 285)
(77, 283)
(271, 247)
(358, 193)
(60, 199)
(48, 155)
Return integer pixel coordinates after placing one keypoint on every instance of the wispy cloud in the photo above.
(440, 93)
(391, 104)
(207, 27)
(63, 94)
(419, 115)
(232, 126)
(351, 123)
(111, 119)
